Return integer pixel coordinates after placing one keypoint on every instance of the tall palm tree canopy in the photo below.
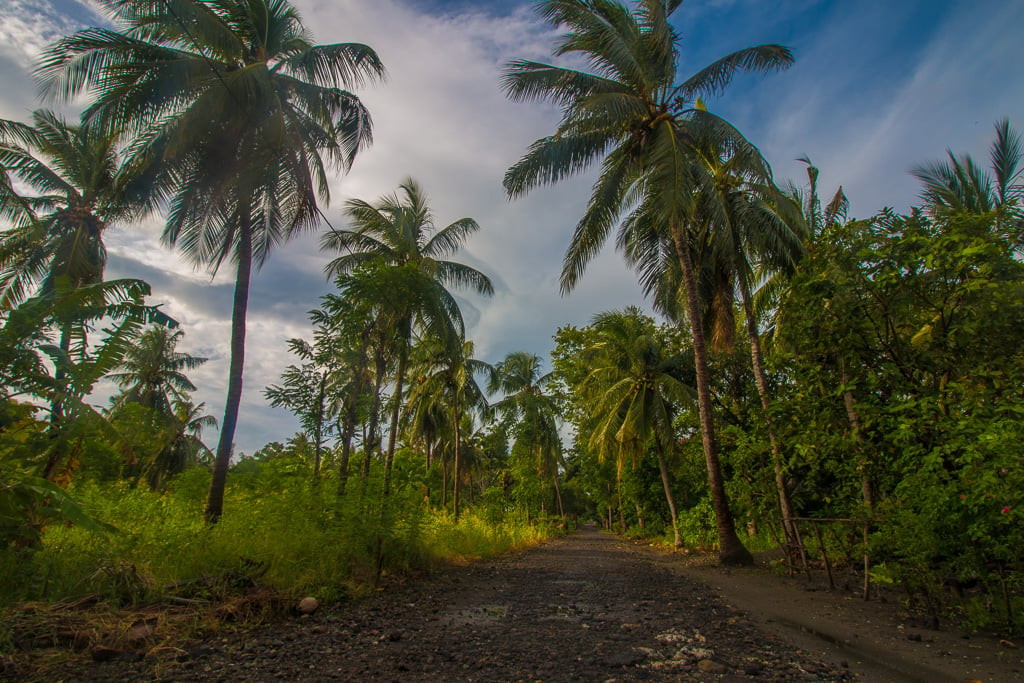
(73, 190)
(630, 109)
(960, 185)
(235, 117)
(235, 113)
(634, 113)
(152, 372)
(399, 229)
(529, 411)
(635, 382)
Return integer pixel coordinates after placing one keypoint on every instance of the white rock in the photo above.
(308, 605)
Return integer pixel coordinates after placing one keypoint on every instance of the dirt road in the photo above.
(587, 607)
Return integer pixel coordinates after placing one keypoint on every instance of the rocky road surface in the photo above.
(586, 607)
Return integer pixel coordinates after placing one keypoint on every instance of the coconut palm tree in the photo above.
(183, 446)
(637, 391)
(152, 372)
(959, 185)
(749, 232)
(633, 113)
(449, 375)
(399, 231)
(529, 413)
(74, 190)
(236, 117)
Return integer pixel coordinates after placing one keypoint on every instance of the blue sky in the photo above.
(877, 87)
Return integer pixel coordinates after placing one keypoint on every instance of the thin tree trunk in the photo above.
(761, 379)
(455, 471)
(444, 484)
(52, 466)
(622, 507)
(352, 412)
(669, 498)
(426, 471)
(346, 454)
(867, 490)
(731, 549)
(558, 493)
(396, 409)
(318, 433)
(372, 440)
(215, 500)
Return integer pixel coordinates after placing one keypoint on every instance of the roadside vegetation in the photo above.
(808, 372)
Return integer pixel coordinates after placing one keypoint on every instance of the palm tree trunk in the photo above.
(731, 549)
(52, 466)
(348, 430)
(455, 470)
(558, 493)
(370, 444)
(403, 359)
(444, 484)
(761, 379)
(867, 490)
(669, 498)
(346, 454)
(426, 471)
(215, 499)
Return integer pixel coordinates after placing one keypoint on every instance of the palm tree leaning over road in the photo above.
(634, 114)
(235, 117)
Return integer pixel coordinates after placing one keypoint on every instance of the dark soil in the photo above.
(587, 607)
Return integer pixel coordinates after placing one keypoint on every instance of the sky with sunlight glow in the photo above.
(878, 86)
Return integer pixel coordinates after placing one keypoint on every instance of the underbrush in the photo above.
(273, 545)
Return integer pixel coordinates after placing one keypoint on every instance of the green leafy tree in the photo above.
(633, 112)
(235, 117)
(304, 391)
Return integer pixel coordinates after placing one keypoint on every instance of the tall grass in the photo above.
(280, 530)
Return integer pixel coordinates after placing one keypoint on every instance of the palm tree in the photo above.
(449, 375)
(183, 446)
(750, 232)
(637, 391)
(960, 186)
(75, 190)
(529, 413)
(634, 113)
(152, 372)
(398, 231)
(59, 231)
(236, 116)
